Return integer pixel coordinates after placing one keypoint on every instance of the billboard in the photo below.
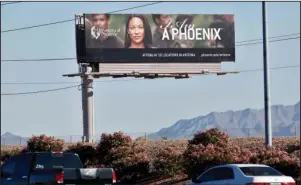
(159, 38)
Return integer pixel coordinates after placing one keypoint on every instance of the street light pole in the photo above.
(268, 124)
(87, 105)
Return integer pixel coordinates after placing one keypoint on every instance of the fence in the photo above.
(232, 132)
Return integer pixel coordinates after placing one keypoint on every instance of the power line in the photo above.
(69, 58)
(4, 4)
(272, 68)
(42, 91)
(287, 35)
(69, 20)
(68, 87)
(246, 44)
(56, 83)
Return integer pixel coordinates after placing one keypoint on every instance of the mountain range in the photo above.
(10, 139)
(243, 123)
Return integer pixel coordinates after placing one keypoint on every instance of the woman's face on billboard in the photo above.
(136, 30)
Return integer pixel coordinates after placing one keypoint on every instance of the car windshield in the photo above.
(260, 171)
(48, 161)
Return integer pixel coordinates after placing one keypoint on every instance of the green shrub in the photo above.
(211, 148)
(291, 148)
(109, 142)
(198, 158)
(86, 153)
(136, 160)
(278, 159)
(131, 163)
(211, 136)
(44, 143)
(168, 161)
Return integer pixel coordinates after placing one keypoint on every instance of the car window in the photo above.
(208, 176)
(260, 171)
(52, 161)
(224, 173)
(9, 167)
(23, 165)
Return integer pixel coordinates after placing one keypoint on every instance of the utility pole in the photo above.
(87, 104)
(268, 125)
(299, 143)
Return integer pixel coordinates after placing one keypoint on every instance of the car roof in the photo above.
(33, 153)
(241, 165)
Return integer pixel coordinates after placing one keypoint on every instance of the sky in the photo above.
(135, 106)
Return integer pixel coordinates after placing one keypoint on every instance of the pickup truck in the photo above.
(52, 168)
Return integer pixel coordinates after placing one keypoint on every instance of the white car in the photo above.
(243, 174)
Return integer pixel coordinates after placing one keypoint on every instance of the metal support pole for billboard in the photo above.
(87, 105)
(268, 124)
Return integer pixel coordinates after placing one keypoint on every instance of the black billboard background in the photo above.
(198, 53)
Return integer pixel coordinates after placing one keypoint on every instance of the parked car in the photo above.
(51, 168)
(243, 174)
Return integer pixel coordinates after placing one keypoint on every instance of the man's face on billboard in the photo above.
(100, 21)
(164, 20)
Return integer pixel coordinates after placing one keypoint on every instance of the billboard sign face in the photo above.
(159, 38)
